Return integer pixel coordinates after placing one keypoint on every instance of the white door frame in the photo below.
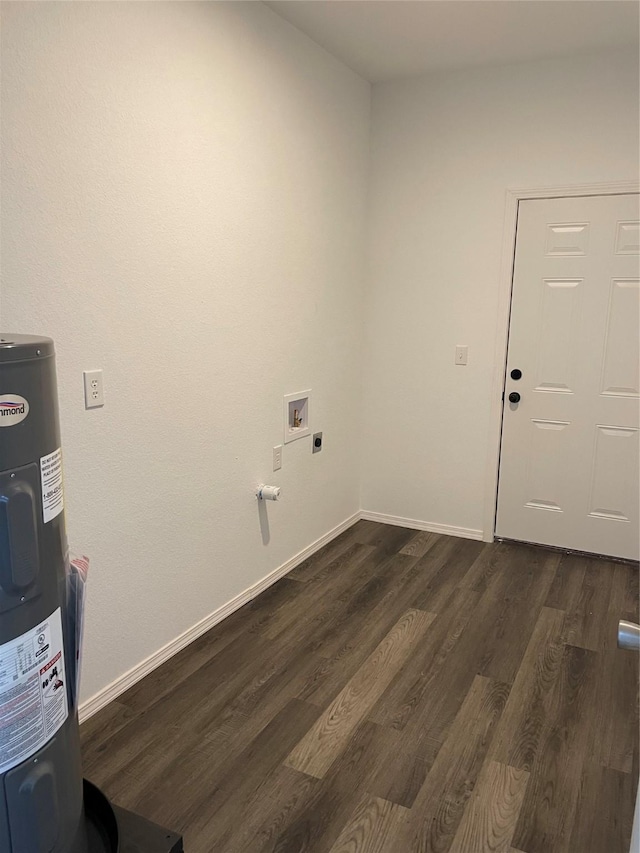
(513, 198)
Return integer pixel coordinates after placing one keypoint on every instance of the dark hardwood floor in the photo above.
(398, 692)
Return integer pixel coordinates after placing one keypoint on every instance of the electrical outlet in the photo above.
(277, 458)
(461, 354)
(316, 444)
(93, 390)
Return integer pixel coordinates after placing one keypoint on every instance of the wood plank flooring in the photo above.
(399, 692)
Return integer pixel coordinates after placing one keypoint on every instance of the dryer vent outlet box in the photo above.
(45, 806)
(297, 409)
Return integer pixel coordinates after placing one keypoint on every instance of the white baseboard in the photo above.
(430, 526)
(117, 687)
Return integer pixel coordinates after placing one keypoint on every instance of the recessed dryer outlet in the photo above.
(297, 415)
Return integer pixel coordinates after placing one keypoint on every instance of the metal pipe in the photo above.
(628, 635)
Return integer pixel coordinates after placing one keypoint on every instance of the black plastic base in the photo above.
(138, 835)
(111, 829)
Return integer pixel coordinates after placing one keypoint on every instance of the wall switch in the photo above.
(316, 444)
(461, 354)
(277, 458)
(93, 390)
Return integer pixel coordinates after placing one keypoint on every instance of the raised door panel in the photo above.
(614, 482)
(560, 312)
(567, 238)
(628, 238)
(549, 444)
(621, 358)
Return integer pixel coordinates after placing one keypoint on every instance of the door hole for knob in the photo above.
(514, 397)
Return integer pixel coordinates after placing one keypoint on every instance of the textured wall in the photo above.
(183, 206)
(444, 149)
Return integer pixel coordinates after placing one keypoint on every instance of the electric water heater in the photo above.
(41, 790)
(45, 805)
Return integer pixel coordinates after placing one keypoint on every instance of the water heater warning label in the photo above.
(33, 691)
(52, 489)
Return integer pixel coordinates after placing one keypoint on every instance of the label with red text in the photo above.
(33, 691)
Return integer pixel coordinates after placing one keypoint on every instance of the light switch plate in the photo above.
(461, 354)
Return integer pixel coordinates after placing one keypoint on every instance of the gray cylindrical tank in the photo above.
(40, 771)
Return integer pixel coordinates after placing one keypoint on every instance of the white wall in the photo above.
(183, 206)
(445, 148)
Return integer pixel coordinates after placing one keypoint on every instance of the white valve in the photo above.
(268, 493)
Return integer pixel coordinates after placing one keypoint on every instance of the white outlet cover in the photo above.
(93, 389)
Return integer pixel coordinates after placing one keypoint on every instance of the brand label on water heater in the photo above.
(33, 691)
(13, 409)
(52, 488)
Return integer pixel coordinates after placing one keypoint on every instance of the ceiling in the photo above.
(389, 39)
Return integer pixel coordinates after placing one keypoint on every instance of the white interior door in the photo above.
(569, 463)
